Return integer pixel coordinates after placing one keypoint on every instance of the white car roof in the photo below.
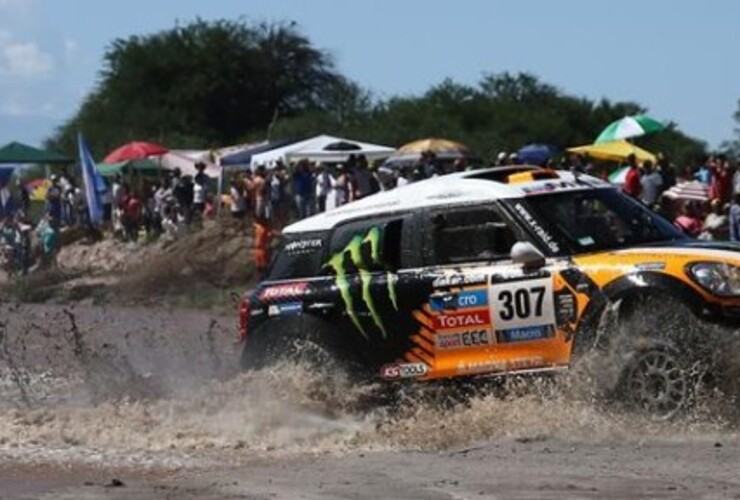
(476, 186)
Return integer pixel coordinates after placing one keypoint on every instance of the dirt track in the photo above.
(152, 398)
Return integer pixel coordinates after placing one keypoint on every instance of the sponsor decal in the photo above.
(276, 292)
(540, 231)
(364, 262)
(459, 300)
(650, 266)
(289, 308)
(565, 307)
(472, 338)
(459, 280)
(396, 371)
(475, 367)
(462, 320)
(549, 187)
(304, 246)
(525, 334)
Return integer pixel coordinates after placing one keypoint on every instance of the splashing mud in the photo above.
(146, 386)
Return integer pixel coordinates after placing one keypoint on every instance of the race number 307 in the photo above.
(521, 304)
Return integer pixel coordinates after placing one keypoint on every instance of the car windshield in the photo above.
(590, 221)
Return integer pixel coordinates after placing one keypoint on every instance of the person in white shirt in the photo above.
(238, 202)
(651, 182)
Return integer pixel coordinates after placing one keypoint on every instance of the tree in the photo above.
(204, 84)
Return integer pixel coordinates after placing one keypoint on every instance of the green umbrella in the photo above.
(629, 126)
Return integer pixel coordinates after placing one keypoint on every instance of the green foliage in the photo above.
(202, 85)
(209, 84)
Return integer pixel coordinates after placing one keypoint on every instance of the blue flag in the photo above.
(94, 184)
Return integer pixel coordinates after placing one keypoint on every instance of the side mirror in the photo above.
(526, 254)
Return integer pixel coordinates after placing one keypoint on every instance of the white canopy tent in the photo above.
(326, 148)
(185, 160)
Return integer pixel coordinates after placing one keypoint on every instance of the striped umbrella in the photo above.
(692, 190)
(629, 126)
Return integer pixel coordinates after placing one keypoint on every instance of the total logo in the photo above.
(283, 291)
(403, 370)
(462, 320)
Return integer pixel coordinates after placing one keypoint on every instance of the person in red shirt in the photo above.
(133, 211)
(632, 184)
(720, 187)
(689, 221)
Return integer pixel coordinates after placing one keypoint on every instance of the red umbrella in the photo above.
(135, 151)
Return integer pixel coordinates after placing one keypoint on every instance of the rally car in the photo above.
(499, 271)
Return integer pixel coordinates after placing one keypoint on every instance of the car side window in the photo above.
(369, 245)
(468, 235)
(300, 256)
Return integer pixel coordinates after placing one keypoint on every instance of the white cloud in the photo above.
(23, 59)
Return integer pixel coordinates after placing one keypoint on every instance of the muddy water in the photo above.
(156, 388)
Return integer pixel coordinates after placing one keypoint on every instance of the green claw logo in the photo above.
(366, 268)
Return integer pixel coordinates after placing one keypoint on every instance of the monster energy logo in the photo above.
(363, 253)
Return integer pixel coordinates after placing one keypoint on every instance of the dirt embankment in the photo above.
(197, 264)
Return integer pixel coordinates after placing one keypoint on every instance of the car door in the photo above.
(485, 313)
(376, 291)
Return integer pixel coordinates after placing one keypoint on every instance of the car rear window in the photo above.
(299, 256)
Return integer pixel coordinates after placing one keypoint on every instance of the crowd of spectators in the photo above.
(271, 198)
(715, 218)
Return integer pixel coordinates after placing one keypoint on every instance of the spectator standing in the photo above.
(704, 173)
(259, 188)
(716, 223)
(199, 199)
(278, 197)
(263, 236)
(632, 185)
(735, 218)
(25, 198)
(303, 189)
(720, 187)
(7, 204)
(133, 215)
(366, 183)
(650, 183)
(323, 187)
(48, 235)
(342, 186)
(54, 201)
(238, 203)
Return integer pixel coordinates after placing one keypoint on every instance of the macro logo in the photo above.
(362, 254)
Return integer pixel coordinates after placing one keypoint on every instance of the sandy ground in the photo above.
(137, 403)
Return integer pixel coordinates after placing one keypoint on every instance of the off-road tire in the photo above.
(650, 356)
(305, 339)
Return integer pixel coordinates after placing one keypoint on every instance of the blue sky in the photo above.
(677, 58)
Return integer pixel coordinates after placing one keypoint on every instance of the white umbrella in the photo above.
(692, 190)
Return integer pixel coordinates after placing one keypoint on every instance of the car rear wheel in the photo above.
(305, 340)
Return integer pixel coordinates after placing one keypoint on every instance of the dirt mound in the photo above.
(217, 256)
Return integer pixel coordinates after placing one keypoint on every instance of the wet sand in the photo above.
(136, 403)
